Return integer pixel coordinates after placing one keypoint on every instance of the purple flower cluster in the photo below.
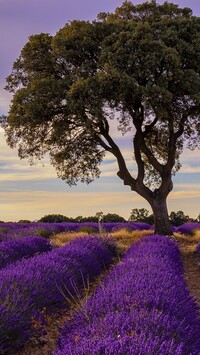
(18, 230)
(47, 281)
(111, 227)
(188, 228)
(108, 227)
(142, 307)
(16, 249)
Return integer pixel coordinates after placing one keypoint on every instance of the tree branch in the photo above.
(149, 127)
(113, 148)
(143, 147)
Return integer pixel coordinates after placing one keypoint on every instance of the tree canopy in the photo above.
(141, 215)
(178, 218)
(138, 66)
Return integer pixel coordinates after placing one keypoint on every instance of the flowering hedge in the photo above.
(45, 281)
(142, 307)
(188, 228)
(16, 230)
(16, 249)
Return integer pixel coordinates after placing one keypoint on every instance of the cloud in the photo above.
(185, 194)
(34, 205)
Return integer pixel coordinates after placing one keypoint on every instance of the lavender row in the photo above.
(15, 230)
(47, 281)
(188, 228)
(16, 249)
(142, 307)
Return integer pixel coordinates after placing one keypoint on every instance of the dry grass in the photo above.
(188, 243)
(191, 263)
(65, 237)
(125, 238)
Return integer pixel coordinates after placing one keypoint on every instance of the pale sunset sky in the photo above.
(30, 192)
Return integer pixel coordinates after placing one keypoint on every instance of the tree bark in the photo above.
(160, 211)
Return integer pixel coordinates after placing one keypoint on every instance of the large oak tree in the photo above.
(140, 67)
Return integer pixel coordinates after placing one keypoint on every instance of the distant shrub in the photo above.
(3, 229)
(55, 218)
(87, 229)
(42, 232)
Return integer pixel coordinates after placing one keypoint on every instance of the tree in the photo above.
(55, 218)
(141, 215)
(138, 215)
(138, 67)
(178, 218)
(113, 217)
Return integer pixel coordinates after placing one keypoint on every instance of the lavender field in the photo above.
(141, 304)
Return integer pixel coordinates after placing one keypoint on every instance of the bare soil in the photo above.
(191, 264)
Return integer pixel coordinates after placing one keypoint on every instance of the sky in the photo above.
(30, 192)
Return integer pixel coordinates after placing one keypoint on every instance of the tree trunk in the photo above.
(161, 219)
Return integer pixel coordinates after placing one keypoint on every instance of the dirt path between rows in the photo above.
(191, 265)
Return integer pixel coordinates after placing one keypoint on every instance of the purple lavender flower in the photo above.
(46, 281)
(188, 228)
(16, 249)
(142, 307)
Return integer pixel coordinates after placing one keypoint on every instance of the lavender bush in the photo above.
(188, 228)
(46, 281)
(142, 307)
(16, 230)
(16, 249)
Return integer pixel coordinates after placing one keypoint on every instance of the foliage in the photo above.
(88, 229)
(81, 219)
(141, 215)
(178, 218)
(112, 217)
(55, 218)
(43, 232)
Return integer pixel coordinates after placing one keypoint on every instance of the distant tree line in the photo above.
(137, 215)
(176, 218)
(110, 217)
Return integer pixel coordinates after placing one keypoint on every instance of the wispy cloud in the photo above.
(34, 205)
